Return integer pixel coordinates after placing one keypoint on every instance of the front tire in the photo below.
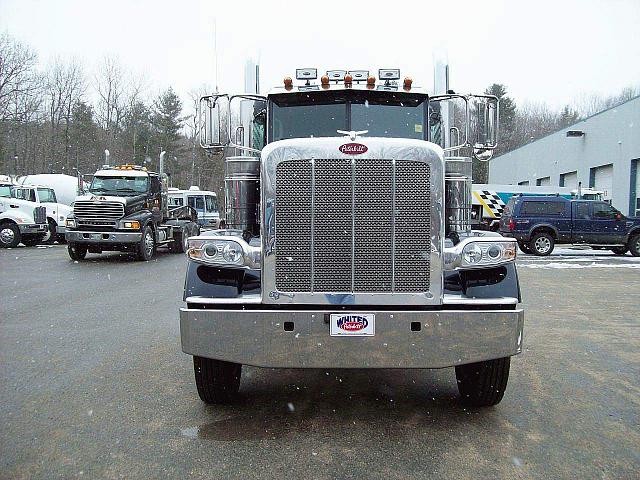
(147, 245)
(51, 234)
(9, 235)
(217, 381)
(541, 244)
(524, 247)
(634, 245)
(77, 252)
(482, 384)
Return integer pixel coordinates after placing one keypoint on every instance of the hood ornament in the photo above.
(353, 133)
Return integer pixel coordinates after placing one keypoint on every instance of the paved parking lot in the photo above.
(93, 385)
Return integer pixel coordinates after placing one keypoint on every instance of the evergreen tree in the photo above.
(167, 122)
(84, 132)
(568, 116)
(137, 133)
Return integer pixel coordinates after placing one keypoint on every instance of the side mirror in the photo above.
(213, 121)
(484, 125)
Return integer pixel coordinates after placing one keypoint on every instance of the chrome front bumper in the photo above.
(81, 236)
(257, 337)
(33, 228)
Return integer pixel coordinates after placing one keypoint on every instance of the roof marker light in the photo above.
(407, 83)
(348, 79)
(288, 83)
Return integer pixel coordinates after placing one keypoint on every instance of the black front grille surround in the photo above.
(353, 226)
(104, 214)
(40, 215)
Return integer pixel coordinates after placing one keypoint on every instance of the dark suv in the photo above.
(539, 222)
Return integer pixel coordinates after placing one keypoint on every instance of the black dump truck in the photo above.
(126, 209)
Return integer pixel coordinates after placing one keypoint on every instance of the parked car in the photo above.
(539, 223)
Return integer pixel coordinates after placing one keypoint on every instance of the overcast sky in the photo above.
(548, 51)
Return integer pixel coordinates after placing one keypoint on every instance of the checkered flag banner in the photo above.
(493, 201)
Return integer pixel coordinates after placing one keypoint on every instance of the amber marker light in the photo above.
(288, 83)
(348, 79)
(407, 83)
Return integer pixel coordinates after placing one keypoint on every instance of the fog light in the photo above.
(494, 252)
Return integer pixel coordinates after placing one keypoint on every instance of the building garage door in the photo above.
(544, 181)
(570, 180)
(603, 180)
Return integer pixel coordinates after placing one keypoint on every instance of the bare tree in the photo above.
(65, 86)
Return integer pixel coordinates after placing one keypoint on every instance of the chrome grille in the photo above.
(40, 215)
(99, 213)
(345, 225)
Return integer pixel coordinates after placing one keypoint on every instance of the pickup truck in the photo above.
(538, 223)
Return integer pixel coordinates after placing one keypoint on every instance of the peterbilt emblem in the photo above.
(353, 148)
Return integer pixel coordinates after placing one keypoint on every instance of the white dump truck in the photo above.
(349, 241)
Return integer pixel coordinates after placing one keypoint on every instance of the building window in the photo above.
(541, 182)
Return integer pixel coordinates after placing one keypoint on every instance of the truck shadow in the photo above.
(291, 403)
(123, 257)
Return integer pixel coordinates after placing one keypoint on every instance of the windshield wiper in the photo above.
(97, 189)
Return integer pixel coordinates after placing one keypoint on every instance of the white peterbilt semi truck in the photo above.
(349, 241)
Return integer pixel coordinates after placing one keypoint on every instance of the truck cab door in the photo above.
(582, 230)
(608, 223)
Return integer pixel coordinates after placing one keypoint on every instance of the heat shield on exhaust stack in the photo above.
(242, 193)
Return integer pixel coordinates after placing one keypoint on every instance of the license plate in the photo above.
(353, 324)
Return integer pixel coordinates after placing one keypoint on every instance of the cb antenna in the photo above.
(215, 50)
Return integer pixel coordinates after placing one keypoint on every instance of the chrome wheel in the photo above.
(542, 244)
(7, 236)
(148, 242)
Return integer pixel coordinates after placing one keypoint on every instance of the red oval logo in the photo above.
(353, 148)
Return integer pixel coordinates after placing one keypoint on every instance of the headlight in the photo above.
(480, 253)
(232, 253)
(223, 252)
(472, 253)
(131, 225)
(70, 222)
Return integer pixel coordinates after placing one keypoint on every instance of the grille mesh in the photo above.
(99, 213)
(337, 230)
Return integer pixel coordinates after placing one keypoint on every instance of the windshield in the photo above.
(120, 186)
(5, 190)
(321, 114)
(46, 195)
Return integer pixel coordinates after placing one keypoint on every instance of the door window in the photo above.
(212, 204)
(604, 211)
(47, 195)
(581, 211)
(197, 202)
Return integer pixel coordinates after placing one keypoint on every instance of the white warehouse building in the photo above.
(601, 151)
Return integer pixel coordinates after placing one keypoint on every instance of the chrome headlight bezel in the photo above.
(216, 251)
(504, 250)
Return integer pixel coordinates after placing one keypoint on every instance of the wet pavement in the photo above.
(93, 385)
